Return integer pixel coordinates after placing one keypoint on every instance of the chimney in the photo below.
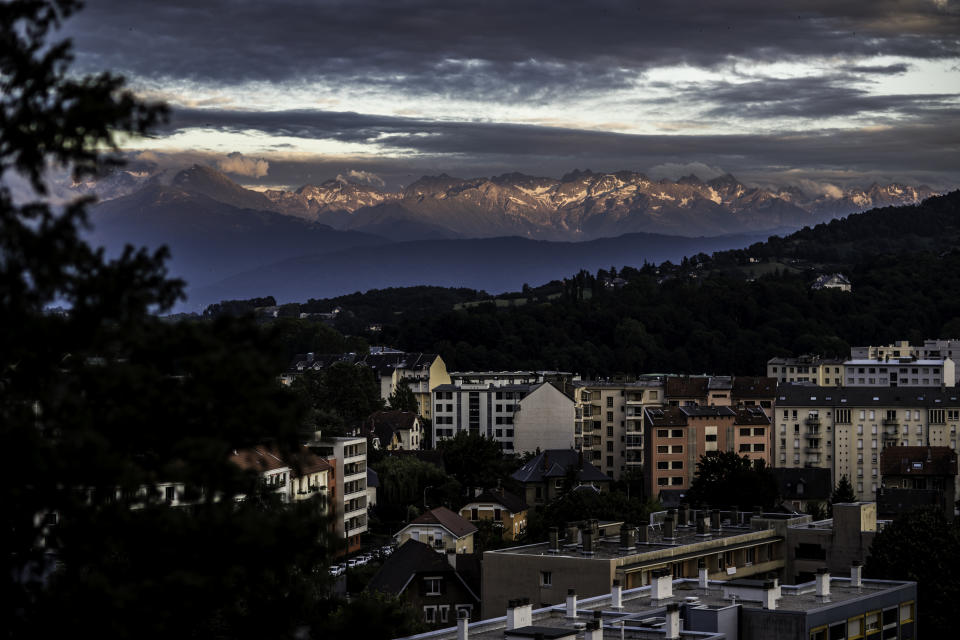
(587, 536)
(856, 574)
(554, 540)
(823, 584)
(571, 603)
(463, 622)
(715, 520)
(682, 519)
(735, 516)
(668, 528)
(703, 528)
(661, 584)
(703, 574)
(573, 534)
(594, 628)
(769, 595)
(672, 627)
(452, 557)
(616, 595)
(628, 538)
(642, 531)
(757, 511)
(519, 614)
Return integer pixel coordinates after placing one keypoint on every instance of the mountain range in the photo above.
(339, 237)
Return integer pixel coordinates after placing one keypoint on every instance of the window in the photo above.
(663, 433)
(937, 416)
(609, 401)
(497, 515)
(444, 612)
(711, 437)
(751, 556)
(663, 464)
(432, 585)
(745, 432)
(663, 449)
(873, 621)
(744, 447)
(430, 614)
(758, 446)
(906, 612)
(474, 514)
(663, 481)
(676, 464)
(758, 431)
(546, 578)
(676, 433)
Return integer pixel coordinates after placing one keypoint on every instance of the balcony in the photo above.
(634, 442)
(811, 449)
(812, 421)
(634, 402)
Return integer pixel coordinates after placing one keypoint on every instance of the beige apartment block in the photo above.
(609, 422)
(845, 430)
(900, 372)
(823, 372)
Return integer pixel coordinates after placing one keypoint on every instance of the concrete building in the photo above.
(900, 372)
(677, 437)
(521, 416)
(834, 543)
(505, 510)
(912, 477)
(440, 529)
(845, 429)
(588, 559)
(937, 349)
(349, 458)
(823, 372)
(843, 607)
(609, 423)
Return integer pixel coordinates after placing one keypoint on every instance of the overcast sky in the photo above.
(810, 92)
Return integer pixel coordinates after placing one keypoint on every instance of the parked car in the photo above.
(336, 570)
(353, 562)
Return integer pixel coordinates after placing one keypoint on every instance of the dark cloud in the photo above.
(521, 51)
(884, 70)
(924, 147)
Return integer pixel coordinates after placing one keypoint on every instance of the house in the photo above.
(393, 430)
(550, 473)
(441, 529)
(435, 584)
(422, 372)
(912, 477)
(832, 281)
(506, 510)
(311, 476)
(274, 472)
(798, 487)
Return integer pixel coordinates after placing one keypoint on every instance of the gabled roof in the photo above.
(918, 461)
(404, 563)
(553, 463)
(383, 424)
(751, 415)
(512, 503)
(686, 387)
(259, 459)
(815, 483)
(754, 387)
(446, 519)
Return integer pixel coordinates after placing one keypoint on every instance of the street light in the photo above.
(425, 495)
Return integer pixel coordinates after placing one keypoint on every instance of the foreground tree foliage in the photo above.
(99, 405)
(729, 480)
(924, 547)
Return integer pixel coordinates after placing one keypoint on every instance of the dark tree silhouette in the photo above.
(729, 480)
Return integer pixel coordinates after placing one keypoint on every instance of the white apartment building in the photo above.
(932, 349)
(349, 456)
(517, 409)
(899, 372)
(608, 422)
(845, 430)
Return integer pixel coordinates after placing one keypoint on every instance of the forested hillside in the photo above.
(705, 316)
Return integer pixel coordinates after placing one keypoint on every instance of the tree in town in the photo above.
(729, 480)
(843, 492)
(922, 546)
(476, 461)
(339, 397)
(402, 398)
(105, 403)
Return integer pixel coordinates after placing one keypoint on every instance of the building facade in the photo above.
(348, 457)
(845, 429)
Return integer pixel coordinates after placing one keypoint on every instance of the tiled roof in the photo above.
(815, 483)
(259, 459)
(686, 387)
(666, 417)
(754, 387)
(553, 463)
(448, 520)
(751, 415)
(916, 461)
(513, 504)
(404, 563)
(806, 395)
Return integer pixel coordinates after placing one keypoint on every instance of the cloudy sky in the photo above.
(286, 92)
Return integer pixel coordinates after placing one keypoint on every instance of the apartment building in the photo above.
(348, 456)
(845, 429)
(522, 412)
(677, 436)
(899, 372)
(423, 372)
(913, 477)
(931, 349)
(609, 422)
(823, 372)
(829, 607)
